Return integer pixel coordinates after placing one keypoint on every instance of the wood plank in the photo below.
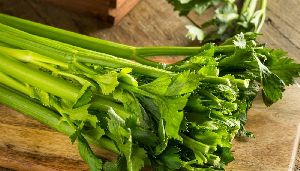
(26, 144)
(29, 148)
(151, 23)
(40, 11)
(88, 6)
(112, 11)
(122, 9)
(154, 23)
(117, 3)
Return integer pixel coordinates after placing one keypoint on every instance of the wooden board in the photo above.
(90, 6)
(27, 145)
(110, 11)
(123, 7)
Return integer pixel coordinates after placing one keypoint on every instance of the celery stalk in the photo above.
(94, 44)
(70, 54)
(44, 115)
(67, 36)
(12, 83)
(38, 78)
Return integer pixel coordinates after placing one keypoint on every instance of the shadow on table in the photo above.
(42, 12)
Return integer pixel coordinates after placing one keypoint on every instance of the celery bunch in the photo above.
(181, 116)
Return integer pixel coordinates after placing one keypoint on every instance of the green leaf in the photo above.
(209, 138)
(170, 109)
(180, 84)
(183, 83)
(73, 137)
(163, 137)
(209, 70)
(284, 67)
(82, 114)
(138, 155)
(194, 33)
(110, 166)
(240, 41)
(226, 155)
(107, 82)
(197, 147)
(226, 14)
(273, 86)
(184, 1)
(185, 6)
(171, 158)
(97, 132)
(205, 58)
(125, 77)
(122, 136)
(132, 105)
(88, 155)
(85, 96)
(41, 95)
(159, 86)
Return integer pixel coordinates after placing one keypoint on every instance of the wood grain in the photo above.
(29, 145)
(26, 144)
(275, 131)
(111, 11)
(122, 9)
(89, 6)
(117, 3)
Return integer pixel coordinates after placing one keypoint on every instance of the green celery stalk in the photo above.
(104, 105)
(44, 115)
(14, 84)
(94, 44)
(189, 142)
(80, 41)
(69, 54)
(28, 56)
(166, 51)
(34, 77)
(67, 36)
(248, 8)
(25, 105)
(263, 9)
(5, 45)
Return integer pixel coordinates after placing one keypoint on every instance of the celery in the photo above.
(14, 84)
(68, 53)
(39, 79)
(23, 104)
(67, 36)
(179, 116)
(91, 43)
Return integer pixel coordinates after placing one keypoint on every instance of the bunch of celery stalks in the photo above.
(180, 116)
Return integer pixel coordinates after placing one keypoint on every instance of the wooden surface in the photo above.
(27, 145)
(123, 8)
(109, 11)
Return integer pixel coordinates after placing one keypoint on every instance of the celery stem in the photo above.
(14, 84)
(46, 116)
(34, 77)
(263, 8)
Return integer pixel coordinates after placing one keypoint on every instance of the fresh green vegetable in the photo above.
(231, 17)
(32, 108)
(181, 116)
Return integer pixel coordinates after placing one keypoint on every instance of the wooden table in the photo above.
(27, 145)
